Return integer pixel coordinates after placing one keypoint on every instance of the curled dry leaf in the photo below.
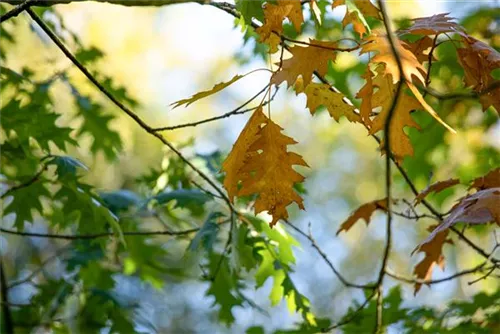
(435, 187)
(433, 25)
(304, 61)
(478, 60)
(365, 212)
(198, 96)
(490, 180)
(479, 208)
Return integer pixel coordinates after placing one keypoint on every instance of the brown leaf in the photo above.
(490, 180)
(433, 25)
(479, 208)
(239, 153)
(435, 187)
(478, 60)
(267, 171)
(365, 212)
(419, 47)
(295, 16)
(433, 255)
(321, 94)
(304, 61)
(365, 94)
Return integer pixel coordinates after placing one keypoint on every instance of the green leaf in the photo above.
(89, 55)
(192, 199)
(207, 235)
(24, 201)
(250, 9)
(66, 165)
(120, 200)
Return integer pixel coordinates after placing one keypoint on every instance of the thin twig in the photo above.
(353, 316)
(318, 249)
(17, 10)
(233, 112)
(28, 183)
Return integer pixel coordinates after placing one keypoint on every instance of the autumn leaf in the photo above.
(435, 187)
(267, 171)
(365, 212)
(198, 96)
(383, 97)
(479, 208)
(365, 94)
(239, 154)
(295, 15)
(490, 180)
(478, 60)
(419, 47)
(433, 25)
(304, 61)
(433, 255)
(379, 43)
(273, 22)
(356, 10)
(320, 94)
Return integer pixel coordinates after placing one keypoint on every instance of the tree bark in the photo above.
(142, 3)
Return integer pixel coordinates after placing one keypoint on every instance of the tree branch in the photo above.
(17, 10)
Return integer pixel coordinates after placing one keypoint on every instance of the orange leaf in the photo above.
(365, 94)
(267, 171)
(419, 47)
(490, 180)
(304, 61)
(355, 12)
(365, 211)
(321, 94)
(433, 25)
(239, 153)
(433, 255)
(435, 187)
(379, 43)
(295, 16)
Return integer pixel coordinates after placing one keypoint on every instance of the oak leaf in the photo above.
(478, 60)
(267, 171)
(399, 142)
(365, 94)
(273, 24)
(304, 61)
(356, 10)
(490, 180)
(239, 153)
(479, 208)
(433, 25)
(433, 255)
(320, 94)
(295, 15)
(419, 47)
(435, 187)
(379, 43)
(198, 96)
(365, 212)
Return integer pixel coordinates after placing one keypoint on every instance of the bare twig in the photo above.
(233, 112)
(28, 183)
(17, 10)
(353, 316)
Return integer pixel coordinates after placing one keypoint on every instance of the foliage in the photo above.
(189, 220)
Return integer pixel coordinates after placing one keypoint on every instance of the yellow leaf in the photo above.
(198, 96)
(321, 94)
(267, 171)
(365, 212)
(273, 24)
(295, 15)
(304, 61)
(365, 94)
(353, 11)
(239, 152)
(383, 97)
